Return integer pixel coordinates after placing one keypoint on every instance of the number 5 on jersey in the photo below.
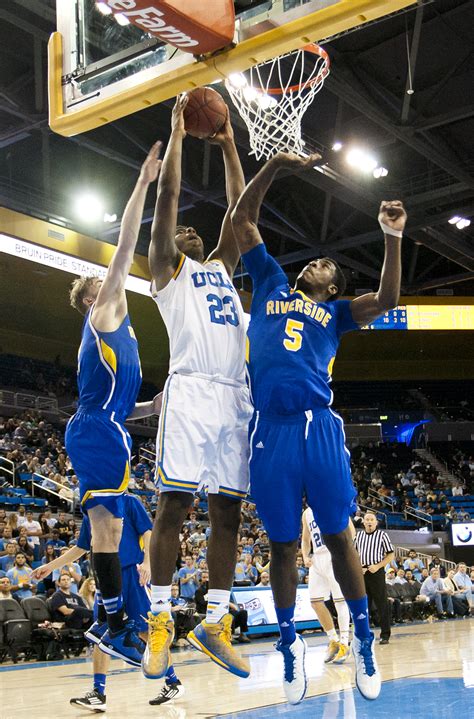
(294, 337)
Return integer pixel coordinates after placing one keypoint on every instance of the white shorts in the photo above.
(202, 440)
(322, 582)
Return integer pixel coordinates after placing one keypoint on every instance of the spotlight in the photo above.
(337, 146)
(460, 222)
(266, 101)
(89, 208)
(380, 172)
(237, 79)
(103, 8)
(122, 19)
(361, 160)
(250, 93)
(110, 218)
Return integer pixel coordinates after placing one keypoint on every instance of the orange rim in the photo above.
(315, 50)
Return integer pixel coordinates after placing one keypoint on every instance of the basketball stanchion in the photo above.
(273, 96)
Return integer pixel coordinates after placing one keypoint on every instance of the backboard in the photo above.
(102, 68)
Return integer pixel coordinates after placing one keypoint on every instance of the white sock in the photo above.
(217, 605)
(332, 635)
(160, 598)
(343, 619)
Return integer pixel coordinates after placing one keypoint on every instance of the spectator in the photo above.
(25, 547)
(264, 580)
(19, 576)
(8, 560)
(182, 613)
(61, 526)
(87, 592)
(301, 569)
(5, 588)
(74, 571)
(457, 490)
(188, 577)
(200, 596)
(6, 538)
(34, 531)
(436, 564)
(414, 563)
(68, 607)
(55, 541)
(460, 603)
(464, 584)
(434, 590)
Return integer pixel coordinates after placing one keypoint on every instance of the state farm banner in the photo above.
(190, 25)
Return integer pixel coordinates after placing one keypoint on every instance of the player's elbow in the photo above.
(388, 300)
(244, 230)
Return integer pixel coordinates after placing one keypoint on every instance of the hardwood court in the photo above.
(428, 670)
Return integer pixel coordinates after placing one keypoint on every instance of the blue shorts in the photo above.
(136, 599)
(296, 456)
(99, 449)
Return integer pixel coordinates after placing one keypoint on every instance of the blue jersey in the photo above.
(109, 373)
(292, 340)
(135, 523)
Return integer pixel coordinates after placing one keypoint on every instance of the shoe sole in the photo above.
(94, 709)
(92, 638)
(113, 653)
(194, 641)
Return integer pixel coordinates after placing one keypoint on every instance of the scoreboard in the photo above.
(426, 317)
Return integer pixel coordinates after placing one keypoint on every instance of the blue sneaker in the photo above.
(125, 645)
(95, 632)
(367, 676)
(294, 678)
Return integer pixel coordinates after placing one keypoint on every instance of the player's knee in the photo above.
(224, 513)
(172, 509)
(283, 551)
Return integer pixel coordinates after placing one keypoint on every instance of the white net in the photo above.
(272, 98)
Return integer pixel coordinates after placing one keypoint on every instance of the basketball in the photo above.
(205, 113)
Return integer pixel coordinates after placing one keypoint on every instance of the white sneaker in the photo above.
(367, 675)
(294, 677)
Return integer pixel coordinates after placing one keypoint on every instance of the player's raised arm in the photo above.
(163, 255)
(365, 309)
(247, 211)
(227, 249)
(111, 295)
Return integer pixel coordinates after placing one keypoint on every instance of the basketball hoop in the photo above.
(273, 96)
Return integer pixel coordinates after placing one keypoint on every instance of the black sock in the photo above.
(109, 573)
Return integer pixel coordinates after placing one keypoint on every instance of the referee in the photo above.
(375, 551)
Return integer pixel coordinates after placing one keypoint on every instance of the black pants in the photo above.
(376, 589)
(240, 618)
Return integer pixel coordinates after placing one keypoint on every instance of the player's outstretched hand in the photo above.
(40, 572)
(295, 163)
(152, 165)
(144, 573)
(225, 134)
(393, 215)
(177, 117)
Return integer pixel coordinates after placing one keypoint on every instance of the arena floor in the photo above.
(428, 671)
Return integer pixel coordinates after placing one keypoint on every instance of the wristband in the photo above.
(388, 230)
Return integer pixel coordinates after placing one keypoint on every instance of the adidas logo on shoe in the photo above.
(260, 445)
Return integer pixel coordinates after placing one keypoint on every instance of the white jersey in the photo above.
(205, 321)
(317, 541)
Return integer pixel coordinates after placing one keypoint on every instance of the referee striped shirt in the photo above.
(373, 546)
